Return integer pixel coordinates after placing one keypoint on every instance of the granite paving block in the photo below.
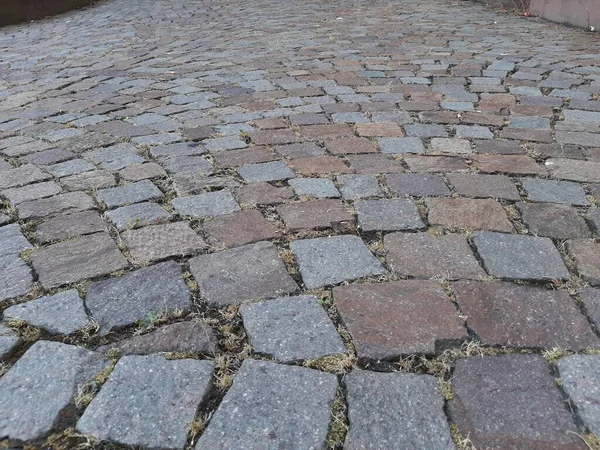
(388, 215)
(272, 405)
(269, 171)
(211, 204)
(243, 273)
(519, 257)
(36, 390)
(331, 260)
(396, 411)
(356, 186)
(244, 227)
(126, 194)
(483, 186)
(553, 220)
(315, 214)
(291, 328)
(58, 204)
(314, 187)
(9, 341)
(417, 185)
(585, 253)
(159, 396)
(139, 214)
(75, 260)
(466, 213)
(124, 300)
(412, 316)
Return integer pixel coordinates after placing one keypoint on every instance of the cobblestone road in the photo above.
(299, 225)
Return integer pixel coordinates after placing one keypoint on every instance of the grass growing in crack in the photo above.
(28, 333)
(462, 442)
(338, 426)
(338, 364)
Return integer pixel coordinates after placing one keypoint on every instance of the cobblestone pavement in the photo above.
(299, 225)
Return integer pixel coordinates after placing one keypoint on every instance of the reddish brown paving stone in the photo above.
(75, 260)
(387, 320)
(559, 151)
(324, 132)
(270, 124)
(198, 133)
(510, 315)
(511, 402)
(571, 169)
(512, 164)
(591, 303)
(498, 147)
(426, 255)
(314, 215)
(483, 186)
(586, 254)
(241, 228)
(304, 149)
(350, 145)
(436, 163)
(236, 158)
(319, 165)
(375, 164)
(69, 225)
(274, 137)
(478, 118)
(262, 193)
(527, 135)
(144, 171)
(554, 220)
(467, 213)
(157, 242)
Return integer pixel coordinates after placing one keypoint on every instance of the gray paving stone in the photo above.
(55, 205)
(122, 301)
(417, 185)
(61, 313)
(519, 257)
(594, 215)
(139, 191)
(224, 143)
(206, 205)
(31, 192)
(182, 337)
(401, 145)
(473, 131)
(138, 215)
(580, 376)
(540, 190)
(75, 260)
(530, 122)
(388, 215)
(315, 187)
(175, 150)
(395, 411)
(69, 225)
(356, 186)
(331, 260)
(553, 220)
(12, 240)
(15, 277)
(9, 341)
(269, 171)
(272, 406)
(243, 273)
(425, 130)
(483, 186)
(503, 400)
(188, 164)
(115, 157)
(451, 145)
(48, 157)
(159, 396)
(21, 176)
(35, 391)
(291, 328)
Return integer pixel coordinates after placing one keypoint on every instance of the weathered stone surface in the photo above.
(21, 176)
(244, 227)
(148, 401)
(12, 240)
(511, 401)
(520, 257)
(436, 163)
(58, 204)
(566, 192)
(263, 194)
(591, 302)
(291, 328)
(580, 376)
(396, 411)
(206, 205)
(331, 260)
(269, 171)
(553, 220)
(31, 192)
(359, 186)
(524, 316)
(15, 276)
(466, 213)
(182, 337)
(115, 157)
(162, 241)
(136, 215)
(417, 185)
(144, 171)
(425, 255)
(586, 254)
(571, 169)
(314, 187)
(61, 313)
(35, 391)
(69, 225)
(388, 215)
(412, 317)
(484, 186)
(244, 273)
(9, 341)
(272, 406)
(140, 191)
(78, 259)
(96, 179)
(122, 301)
(511, 164)
(314, 215)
